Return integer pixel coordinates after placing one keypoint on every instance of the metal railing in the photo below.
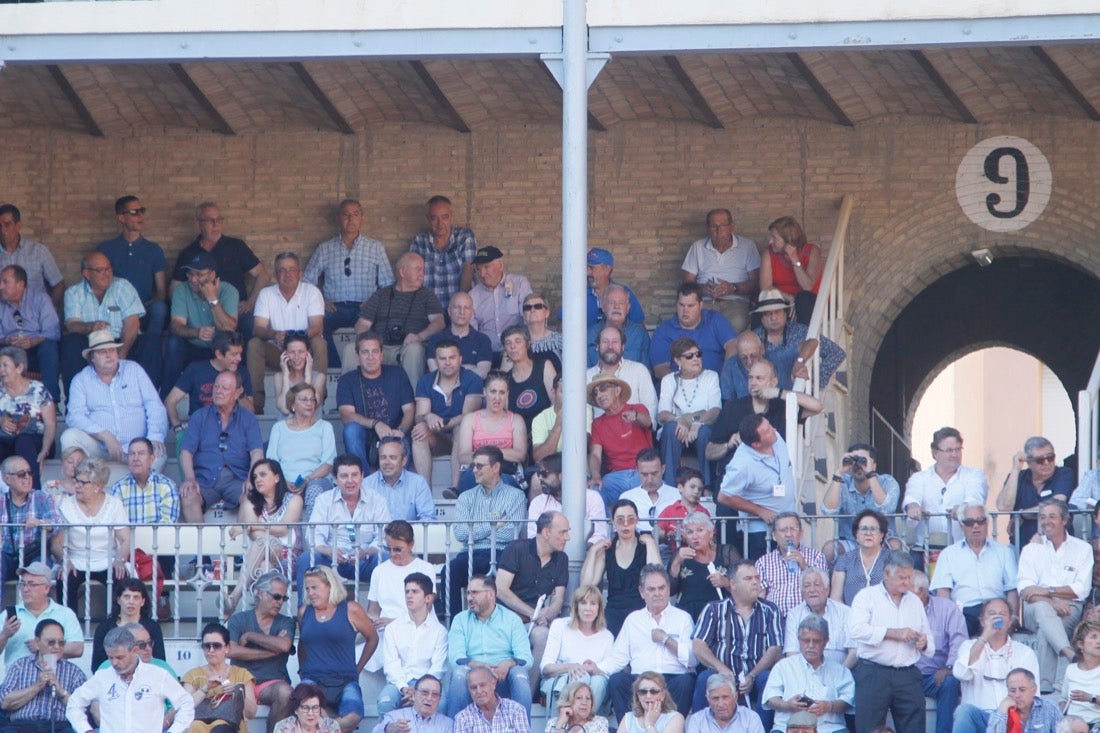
(895, 455)
(1088, 422)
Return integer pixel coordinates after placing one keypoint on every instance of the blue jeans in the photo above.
(344, 569)
(946, 697)
(516, 687)
(46, 358)
(968, 719)
(148, 349)
(178, 353)
(672, 449)
(614, 483)
(361, 441)
(345, 316)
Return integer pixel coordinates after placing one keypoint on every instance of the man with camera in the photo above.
(856, 486)
(375, 401)
(406, 314)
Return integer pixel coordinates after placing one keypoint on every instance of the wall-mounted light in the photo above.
(982, 257)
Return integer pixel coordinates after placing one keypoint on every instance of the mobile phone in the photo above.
(805, 700)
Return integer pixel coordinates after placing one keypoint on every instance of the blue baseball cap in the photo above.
(599, 256)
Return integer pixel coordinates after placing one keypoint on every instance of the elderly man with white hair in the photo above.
(816, 602)
(722, 712)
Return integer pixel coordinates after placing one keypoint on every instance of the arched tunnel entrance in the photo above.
(1041, 306)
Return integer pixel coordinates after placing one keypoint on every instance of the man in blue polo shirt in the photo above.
(708, 328)
(375, 400)
(477, 350)
(221, 444)
(443, 396)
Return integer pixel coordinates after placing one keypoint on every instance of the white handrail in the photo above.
(1088, 422)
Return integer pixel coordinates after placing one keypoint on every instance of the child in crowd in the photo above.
(689, 482)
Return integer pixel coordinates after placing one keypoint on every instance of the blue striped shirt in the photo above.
(157, 502)
(369, 267)
(24, 672)
(128, 406)
(738, 645)
(502, 504)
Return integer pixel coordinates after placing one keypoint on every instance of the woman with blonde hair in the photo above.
(577, 711)
(572, 641)
(652, 707)
(792, 266)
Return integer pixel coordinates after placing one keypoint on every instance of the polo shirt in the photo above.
(138, 262)
(197, 313)
(753, 476)
(411, 310)
(1061, 484)
(17, 644)
(475, 346)
(712, 333)
(233, 260)
(292, 314)
(469, 383)
(734, 265)
(203, 436)
(532, 578)
(620, 440)
(263, 670)
(198, 378)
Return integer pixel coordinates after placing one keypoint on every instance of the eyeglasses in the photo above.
(82, 482)
(1042, 460)
(18, 318)
(869, 529)
(534, 307)
(543, 473)
(52, 642)
(30, 584)
(134, 212)
(950, 450)
(18, 474)
(143, 644)
(479, 466)
(652, 512)
(625, 521)
(650, 690)
(972, 522)
(691, 355)
(310, 708)
(277, 597)
(210, 646)
(395, 550)
(347, 267)
(428, 693)
(223, 441)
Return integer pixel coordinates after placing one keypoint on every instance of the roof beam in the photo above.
(594, 122)
(945, 89)
(1067, 83)
(74, 99)
(334, 114)
(221, 125)
(438, 95)
(682, 76)
(819, 89)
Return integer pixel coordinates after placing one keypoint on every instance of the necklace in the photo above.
(689, 401)
(867, 569)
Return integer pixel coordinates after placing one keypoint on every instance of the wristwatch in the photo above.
(213, 302)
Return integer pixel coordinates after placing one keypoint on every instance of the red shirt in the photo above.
(783, 273)
(621, 440)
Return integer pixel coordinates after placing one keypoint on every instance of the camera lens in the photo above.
(847, 460)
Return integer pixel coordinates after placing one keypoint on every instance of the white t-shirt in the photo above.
(387, 585)
(90, 548)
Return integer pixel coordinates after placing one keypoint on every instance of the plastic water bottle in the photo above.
(792, 566)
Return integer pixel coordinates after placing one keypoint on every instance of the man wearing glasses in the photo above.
(141, 263)
(932, 495)
(975, 570)
(25, 511)
(221, 444)
(727, 265)
(37, 687)
(348, 268)
(1035, 477)
(423, 716)
(262, 639)
(35, 605)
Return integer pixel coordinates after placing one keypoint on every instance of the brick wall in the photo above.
(650, 184)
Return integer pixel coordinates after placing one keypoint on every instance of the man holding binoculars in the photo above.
(855, 487)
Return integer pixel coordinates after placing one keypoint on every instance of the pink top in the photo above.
(501, 439)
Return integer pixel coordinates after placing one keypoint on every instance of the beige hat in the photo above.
(802, 719)
(101, 339)
(605, 379)
(771, 300)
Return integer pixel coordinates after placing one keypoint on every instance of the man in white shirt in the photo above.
(1055, 577)
(816, 602)
(939, 489)
(653, 496)
(891, 631)
(611, 346)
(656, 638)
(289, 305)
(129, 693)
(414, 645)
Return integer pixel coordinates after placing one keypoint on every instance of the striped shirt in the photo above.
(120, 301)
(784, 587)
(738, 645)
(39, 505)
(36, 259)
(157, 502)
(366, 262)
(128, 406)
(510, 717)
(501, 504)
(24, 672)
(443, 268)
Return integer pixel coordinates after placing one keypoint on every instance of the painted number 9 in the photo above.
(1003, 183)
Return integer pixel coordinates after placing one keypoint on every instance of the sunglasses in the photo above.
(278, 597)
(478, 466)
(210, 646)
(223, 441)
(691, 355)
(1042, 460)
(534, 307)
(972, 522)
(143, 644)
(347, 267)
(52, 642)
(19, 474)
(134, 212)
(650, 690)
(18, 318)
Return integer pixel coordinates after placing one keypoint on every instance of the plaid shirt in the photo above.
(370, 269)
(158, 502)
(736, 645)
(443, 269)
(24, 672)
(510, 717)
(39, 505)
(784, 588)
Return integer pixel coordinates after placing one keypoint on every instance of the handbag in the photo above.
(222, 703)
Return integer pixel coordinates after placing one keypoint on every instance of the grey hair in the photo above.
(720, 680)
(11, 461)
(786, 515)
(698, 518)
(118, 638)
(960, 510)
(1065, 725)
(17, 355)
(653, 568)
(1063, 507)
(920, 580)
(264, 581)
(814, 623)
(1032, 443)
(896, 559)
(811, 570)
(96, 468)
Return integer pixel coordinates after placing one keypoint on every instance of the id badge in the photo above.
(779, 490)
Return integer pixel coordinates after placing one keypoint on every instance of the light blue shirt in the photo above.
(830, 681)
(502, 636)
(370, 269)
(852, 502)
(37, 316)
(410, 497)
(438, 723)
(755, 476)
(975, 578)
(128, 406)
(120, 301)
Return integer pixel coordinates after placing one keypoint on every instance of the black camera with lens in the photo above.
(395, 334)
(858, 460)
